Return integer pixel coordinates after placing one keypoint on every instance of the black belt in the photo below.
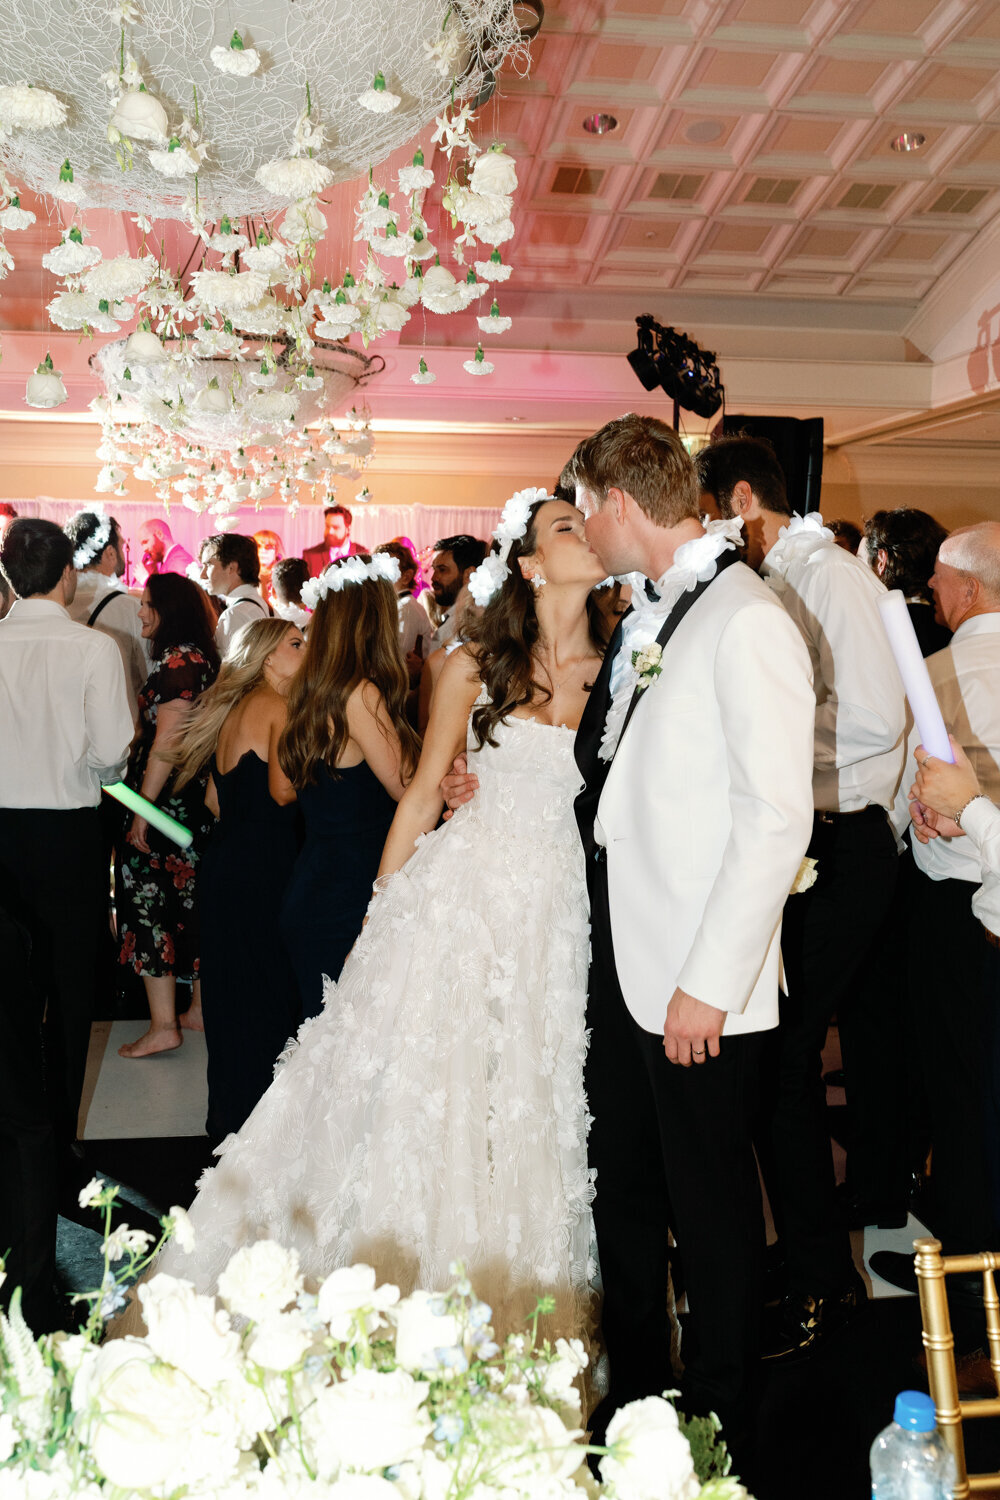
(873, 810)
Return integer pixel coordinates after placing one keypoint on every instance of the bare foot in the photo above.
(165, 1039)
(191, 1019)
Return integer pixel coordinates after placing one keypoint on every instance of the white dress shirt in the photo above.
(66, 725)
(119, 619)
(414, 624)
(243, 605)
(860, 707)
(966, 681)
(981, 822)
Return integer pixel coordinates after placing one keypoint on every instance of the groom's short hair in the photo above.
(644, 457)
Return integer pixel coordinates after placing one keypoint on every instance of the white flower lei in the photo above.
(802, 535)
(490, 574)
(694, 562)
(349, 570)
(94, 545)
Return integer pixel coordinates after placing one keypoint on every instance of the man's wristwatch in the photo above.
(957, 820)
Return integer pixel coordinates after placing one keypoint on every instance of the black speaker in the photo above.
(798, 444)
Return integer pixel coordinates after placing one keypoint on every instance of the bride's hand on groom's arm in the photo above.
(458, 787)
(692, 1029)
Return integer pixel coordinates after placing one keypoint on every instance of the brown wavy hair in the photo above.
(353, 637)
(504, 638)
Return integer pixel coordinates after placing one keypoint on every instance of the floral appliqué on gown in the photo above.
(434, 1111)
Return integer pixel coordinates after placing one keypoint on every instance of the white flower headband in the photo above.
(492, 571)
(349, 570)
(95, 544)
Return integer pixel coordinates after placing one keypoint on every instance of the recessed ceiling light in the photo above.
(703, 132)
(600, 124)
(908, 140)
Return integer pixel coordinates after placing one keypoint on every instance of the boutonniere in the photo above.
(805, 878)
(646, 665)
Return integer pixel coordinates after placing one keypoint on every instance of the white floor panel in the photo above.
(144, 1097)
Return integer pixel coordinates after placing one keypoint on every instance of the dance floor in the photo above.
(143, 1125)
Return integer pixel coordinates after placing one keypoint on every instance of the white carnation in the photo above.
(379, 101)
(478, 366)
(414, 179)
(16, 217)
(303, 221)
(494, 323)
(69, 257)
(650, 1457)
(270, 257)
(23, 107)
(262, 1278)
(492, 270)
(294, 176)
(495, 233)
(181, 162)
(121, 277)
(229, 292)
(240, 64)
(390, 316)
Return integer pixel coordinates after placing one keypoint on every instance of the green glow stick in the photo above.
(154, 815)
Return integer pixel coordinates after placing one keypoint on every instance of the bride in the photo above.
(434, 1111)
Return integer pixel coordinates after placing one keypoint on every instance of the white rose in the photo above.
(280, 1341)
(391, 317)
(558, 1378)
(651, 1457)
(536, 1443)
(368, 1422)
(419, 1330)
(188, 1331)
(352, 1290)
(147, 1424)
(261, 1279)
(182, 1227)
(494, 172)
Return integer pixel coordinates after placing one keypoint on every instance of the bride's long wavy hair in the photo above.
(504, 638)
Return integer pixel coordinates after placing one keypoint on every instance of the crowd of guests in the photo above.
(279, 722)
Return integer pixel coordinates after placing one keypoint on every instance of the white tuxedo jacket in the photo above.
(707, 809)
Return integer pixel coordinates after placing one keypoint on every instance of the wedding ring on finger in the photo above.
(696, 1053)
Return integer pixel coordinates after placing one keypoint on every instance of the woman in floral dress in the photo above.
(157, 922)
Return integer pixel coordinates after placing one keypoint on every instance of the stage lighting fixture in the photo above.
(689, 375)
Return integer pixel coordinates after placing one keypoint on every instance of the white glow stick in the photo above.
(916, 678)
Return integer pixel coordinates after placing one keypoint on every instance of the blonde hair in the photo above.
(645, 458)
(240, 673)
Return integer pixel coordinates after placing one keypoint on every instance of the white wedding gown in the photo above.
(434, 1111)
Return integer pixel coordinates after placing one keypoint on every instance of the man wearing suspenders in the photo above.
(233, 569)
(101, 601)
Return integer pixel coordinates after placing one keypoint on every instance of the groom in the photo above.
(696, 753)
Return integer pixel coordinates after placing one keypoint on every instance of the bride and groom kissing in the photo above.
(438, 1109)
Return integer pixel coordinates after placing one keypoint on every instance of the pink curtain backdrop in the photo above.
(423, 524)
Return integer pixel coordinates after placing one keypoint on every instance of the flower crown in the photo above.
(349, 570)
(95, 544)
(492, 571)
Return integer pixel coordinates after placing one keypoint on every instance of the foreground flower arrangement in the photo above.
(350, 1392)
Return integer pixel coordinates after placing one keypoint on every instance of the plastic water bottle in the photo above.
(910, 1460)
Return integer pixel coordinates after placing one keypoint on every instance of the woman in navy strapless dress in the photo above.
(346, 749)
(249, 995)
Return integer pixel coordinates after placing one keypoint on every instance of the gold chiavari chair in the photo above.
(932, 1267)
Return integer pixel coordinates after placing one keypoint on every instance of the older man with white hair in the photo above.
(951, 1009)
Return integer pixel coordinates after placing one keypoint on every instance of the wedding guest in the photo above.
(415, 629)
(233, 571)
(248, 990)
(269, 551)
(901, 546)
(160, 553)
(846, 535)
(66, 729)
(336, 541)
(950, 1015)
(347, 735)
(100, 600)
(157, 915)
(828, 930)
(465, 612)
(288, 578)
(455, 559)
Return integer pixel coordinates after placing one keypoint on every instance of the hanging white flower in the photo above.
(266, 318)
(440, 290)
(76, 310)
(444, 53)
(6, 261)
(14, 216)
(379, 100)
(493, 269)
(266, 255)
(71, 255)
(24, 107)
(63, 185)
(140, 116)
(309, 380)
(479, 364)
(261, 489)
(238, 60)
(209, 342)
(494, 173)
(422, 375)
(477, 208)
(495, 234)
(45, 388)
(373, 212)
(213, 398)
(264, 378)
(471, 289)
(144, 348)
(303, 221)
(176, 161)
(229, 292)
(415, 178)
(337, 322)
(393, 244)
(272, 406)
(294, 176)
(494, 323)
(110, 481)
(226, 239)
(121, 277)
(390, 316)
(453, 129)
